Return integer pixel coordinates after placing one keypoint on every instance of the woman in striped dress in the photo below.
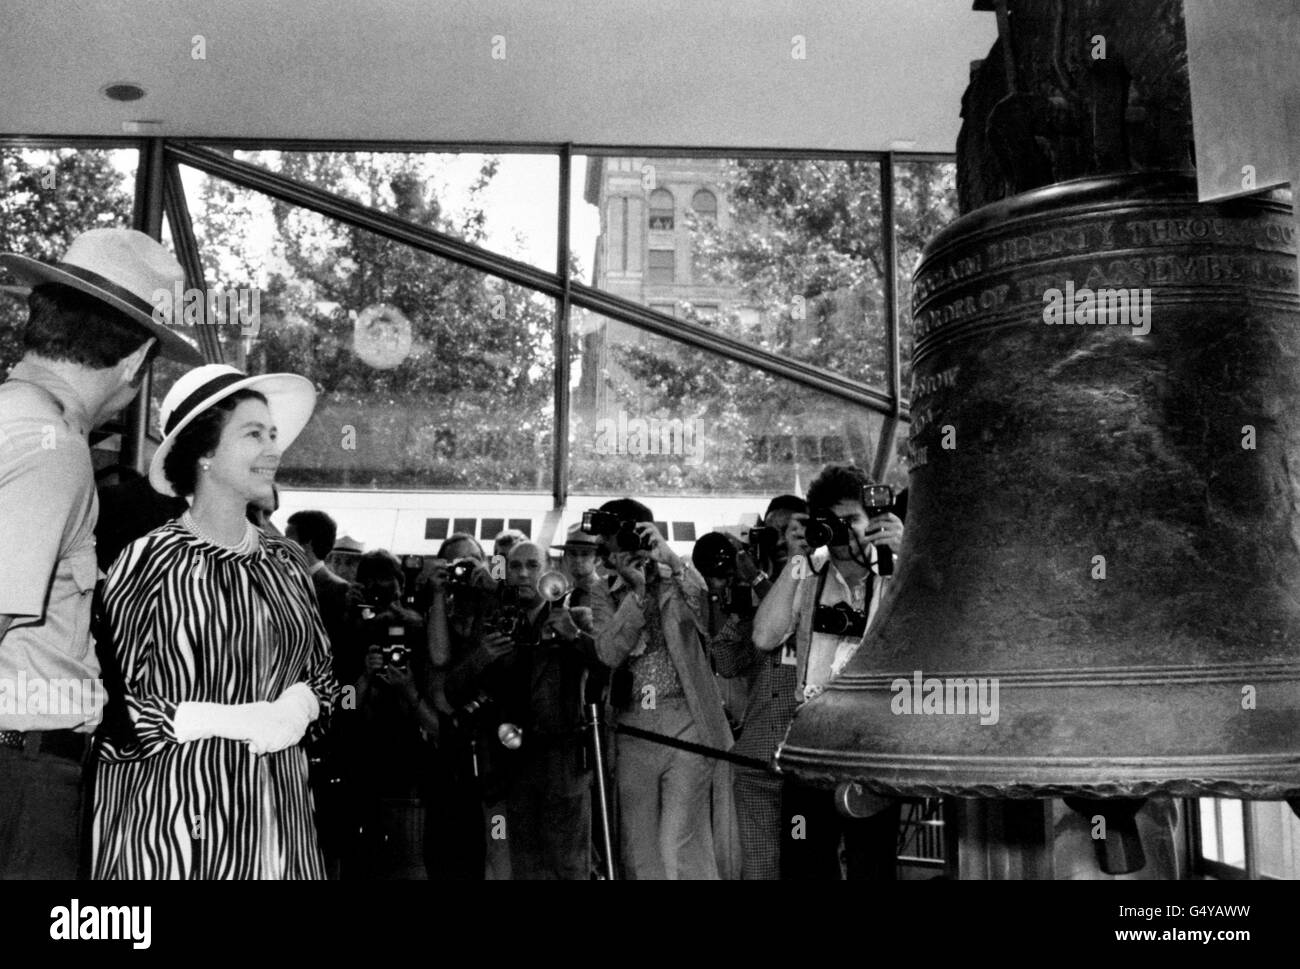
(223, 655)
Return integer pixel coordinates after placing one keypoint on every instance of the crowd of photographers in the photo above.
(464, 743)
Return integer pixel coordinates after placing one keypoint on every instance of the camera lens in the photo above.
(819, 533)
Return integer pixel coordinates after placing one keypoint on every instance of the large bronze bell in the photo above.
(1104, 517)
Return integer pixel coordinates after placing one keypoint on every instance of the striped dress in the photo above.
(194, 621)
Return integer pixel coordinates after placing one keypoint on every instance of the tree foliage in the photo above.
(803, 250)
(47, 199)
(469, 406)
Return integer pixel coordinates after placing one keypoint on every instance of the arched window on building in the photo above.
(705, 204)
(661, 209)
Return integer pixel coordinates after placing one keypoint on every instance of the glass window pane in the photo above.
(508, 204)
(788, 259)
(1276, 839)
(662, 266)
(48, 197)
(1234, 840)
(1222, 831)
(925, 200)
(431, 375)
(651, 416)
(1209, 828)
(705, 204)
(661, 209)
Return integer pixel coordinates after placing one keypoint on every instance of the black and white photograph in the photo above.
(803, 441)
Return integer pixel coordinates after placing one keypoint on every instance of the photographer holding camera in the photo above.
(456, 843)
(538, 697)
(655, 638)
(827, 609)
(771, 699)
(391, 735)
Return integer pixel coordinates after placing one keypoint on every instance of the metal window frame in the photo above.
(159, 193)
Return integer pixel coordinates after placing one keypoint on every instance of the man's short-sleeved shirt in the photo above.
(49, 674)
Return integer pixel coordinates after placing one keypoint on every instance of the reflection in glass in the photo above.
(652, 416)
(431, 375)
(507, 204)
(782, 253)
(925, 200)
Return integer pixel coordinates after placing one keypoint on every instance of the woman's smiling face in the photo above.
(247, 456)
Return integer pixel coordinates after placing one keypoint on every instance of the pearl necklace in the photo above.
(246, 544)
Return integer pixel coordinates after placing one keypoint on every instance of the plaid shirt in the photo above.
(772, 698)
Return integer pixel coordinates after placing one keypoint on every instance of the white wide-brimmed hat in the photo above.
(125, 269)
(291, 399)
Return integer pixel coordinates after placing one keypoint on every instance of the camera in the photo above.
(840, 619)
(397, 656)
(878, 500)
(510, 618)
(389, 635)
(625, 536)
(763, 542)
(461, 571)
(714, 556)
(412, 566)
(824, 528)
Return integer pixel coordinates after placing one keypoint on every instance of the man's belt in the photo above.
(57, 743)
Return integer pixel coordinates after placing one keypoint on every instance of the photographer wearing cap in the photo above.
(655, 636)
(771, 699)
(580, 563)
(828, 609)
(89, 340)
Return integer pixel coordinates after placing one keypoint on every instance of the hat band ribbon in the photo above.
(110, 287)
(213, 386)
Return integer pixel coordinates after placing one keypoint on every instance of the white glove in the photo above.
(234, 721)
(290, 716)
(267, 727)
(296, 703)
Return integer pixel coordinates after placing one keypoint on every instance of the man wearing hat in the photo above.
(90, 337)
(579, 564)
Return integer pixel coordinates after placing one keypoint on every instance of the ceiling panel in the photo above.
(875, 73)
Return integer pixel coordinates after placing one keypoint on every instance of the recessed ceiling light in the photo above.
(901, 145)
(142, 127)
(123, 91)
